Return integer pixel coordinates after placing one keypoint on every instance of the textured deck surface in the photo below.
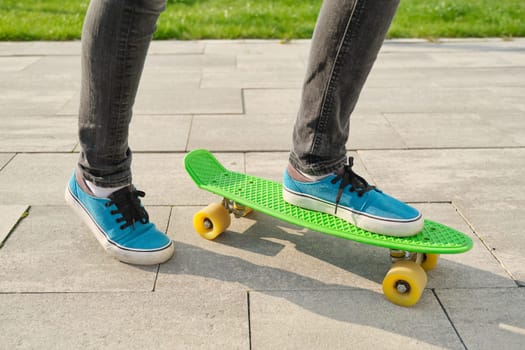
(265, 196)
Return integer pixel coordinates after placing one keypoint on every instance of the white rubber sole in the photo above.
(135, 257)
(396, 228)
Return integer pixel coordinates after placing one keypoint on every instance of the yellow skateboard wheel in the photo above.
(404, 283)
(211, 221)
(430, 261)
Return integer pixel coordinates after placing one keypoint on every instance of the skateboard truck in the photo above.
(235, 208)
(426, 260)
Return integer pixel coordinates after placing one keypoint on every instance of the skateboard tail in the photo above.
(202, 166)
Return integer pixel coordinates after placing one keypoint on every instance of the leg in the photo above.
(115, 40)
(346, 40)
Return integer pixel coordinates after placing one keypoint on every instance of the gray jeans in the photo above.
(115, 41)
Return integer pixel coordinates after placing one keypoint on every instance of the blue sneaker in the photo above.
(348, 196)
(120, 224)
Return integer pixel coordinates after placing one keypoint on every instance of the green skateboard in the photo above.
(411, 256)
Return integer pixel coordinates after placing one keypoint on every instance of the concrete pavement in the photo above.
(440, 125)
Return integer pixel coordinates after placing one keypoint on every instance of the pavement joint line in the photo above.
(486, 245)
(249, 320)
(288, 150)
(243, 101)
(165, 231)
(399, 135)
(76, 292)
(74, 147)
(8, 161)
(156, 279)
(449, 319)
(24, 215)
(188, 134)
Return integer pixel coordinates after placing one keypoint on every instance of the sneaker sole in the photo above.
(135, 257)
(366, 222)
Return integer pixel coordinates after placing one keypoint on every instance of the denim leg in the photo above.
(115, 40)
(346, 40)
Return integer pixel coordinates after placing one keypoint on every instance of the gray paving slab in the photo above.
(450, 77)
(510, 95)
(56, 64)
(180, 101)
(174, 320)
(394, 60)
(373, 131)
(10, 48)
(399, 77)
(436, 100)
(38, 134)
(9, 217)
(24, 102)
(160, 175)
(273, 132)
(454, 45)
(472, 59)
(259, 252)
(44, 82)
(269, 165)
(255, 79)
(15, 64)
(159, 133)
(188, 62)
(500, 225)
(439, 125)
(43, 48)
(268, 62)
(257, 47)
(338, 319)
(18, 183)
(450, 130)
(251, 132)
(475, 268)
(448, 174)
(52, 251)
(511, 124)
(516, 58)
(271, 101)
(163, 178)
(176, 47)
(487, 318)
(159, 80)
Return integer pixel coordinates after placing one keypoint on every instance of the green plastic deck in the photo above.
(265, 196)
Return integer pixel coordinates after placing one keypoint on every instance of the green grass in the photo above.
(41, 19)
(281, 19)
(459, 18)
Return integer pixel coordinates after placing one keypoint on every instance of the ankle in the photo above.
(298, 175)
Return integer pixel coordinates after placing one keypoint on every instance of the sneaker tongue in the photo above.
(101, 192)
(123, 190)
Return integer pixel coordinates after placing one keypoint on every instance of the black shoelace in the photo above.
(128, 205)
(347, 177)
